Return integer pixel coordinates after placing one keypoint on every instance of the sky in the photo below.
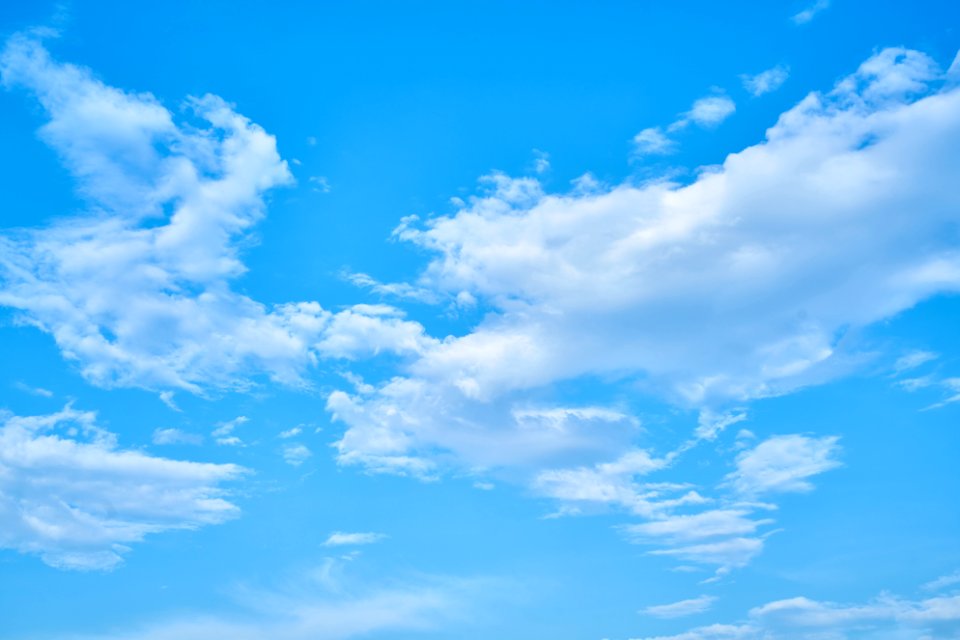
(606, 321)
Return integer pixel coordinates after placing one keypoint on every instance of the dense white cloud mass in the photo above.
(138, 291)
(739, 285)
(69, 494)
(887, 617)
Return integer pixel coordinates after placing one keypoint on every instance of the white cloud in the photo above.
(175, 436)
(541, 161)
(783, 464)
(70, 495)
(707, 524)
(296, 454)
(682, 608)
(324, 603)
(652, 141)
(766, 81)
(341, 538)
(913, 360)
(809, 13)
(943, 582)
(320, 184)
(710, 111)
(800, 618)
(952, 385)
(712, 632)
(34, 391)
(137, 291)
(718, 291)
(289, 433)
(223, 434)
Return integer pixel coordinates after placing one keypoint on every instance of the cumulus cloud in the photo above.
(713, 292)
(137, 290)
(71, 495)
(765, 81)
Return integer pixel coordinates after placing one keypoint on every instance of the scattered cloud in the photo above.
(913, 360)
(137, 290)
(682, 608)
(175, 436)
(811, 12)
(70, 495)
(34, 391)
(341, 538)
(223, 434)
(766, 81)
(706, 112)
(943, 582)
(324, 603)
(886, 616)
(320, 184)
(296, 454)
(783, 464)
(541, 161)
(653, 142)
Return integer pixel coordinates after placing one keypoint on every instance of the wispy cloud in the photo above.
(175, 436)
(342, 538)
(765, 81)
(809, 13)
(71, 495)
(682, 608)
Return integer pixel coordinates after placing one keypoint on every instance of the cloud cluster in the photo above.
(885, 617)
(71, 495)
(137, 290)
(739, 285)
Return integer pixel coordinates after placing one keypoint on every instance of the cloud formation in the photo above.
(137, 290)
(71, 495)
(715, 292)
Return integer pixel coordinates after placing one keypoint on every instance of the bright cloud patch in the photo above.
(69, 494)
(138, 291)
(716, 291)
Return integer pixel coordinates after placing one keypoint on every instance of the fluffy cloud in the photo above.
(138, 290)
(783, 464)
(652, 141)
(706, 112)
(721, 290)
(766, 81)
(69, 494)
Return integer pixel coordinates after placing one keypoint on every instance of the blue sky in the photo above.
(633, 321)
